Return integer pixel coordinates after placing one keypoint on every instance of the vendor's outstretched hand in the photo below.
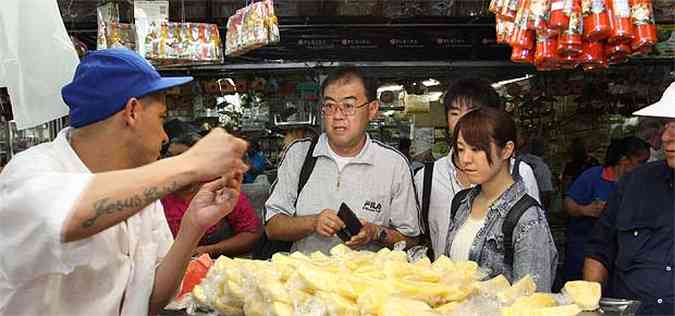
(214, 201)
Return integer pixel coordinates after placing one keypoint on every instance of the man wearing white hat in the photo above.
(632, 247)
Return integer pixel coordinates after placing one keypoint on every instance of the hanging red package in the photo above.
(495, 6)
(560, 14)
(522, 55)
(569, 40)
(539, 11)
(593, 56)
(621, 26)
(546, 53)
(510, 9)
(568, 62)
(596, 20)
(617, 53)
(504, 31)
(522, 37)
(642, 14)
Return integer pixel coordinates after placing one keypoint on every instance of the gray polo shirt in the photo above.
(377, 185)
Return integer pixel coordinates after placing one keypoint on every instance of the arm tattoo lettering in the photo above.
(107, 206)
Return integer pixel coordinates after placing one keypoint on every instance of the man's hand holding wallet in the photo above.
(349, 228)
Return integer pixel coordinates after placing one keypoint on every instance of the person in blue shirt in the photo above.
(256, 161)
(631, 248)
(586, 199)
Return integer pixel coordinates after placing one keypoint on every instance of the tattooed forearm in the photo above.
(107, 206)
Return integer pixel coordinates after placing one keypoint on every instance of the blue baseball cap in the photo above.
(106, 79)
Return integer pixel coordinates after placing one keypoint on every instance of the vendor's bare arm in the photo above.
(114, 196)
(284, 227)
(239, 244)
(169, 273)
(594, 271)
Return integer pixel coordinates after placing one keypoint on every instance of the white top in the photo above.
(444, 186)
(377, 185)
(41, 275)
(461, 246)
(339, 160)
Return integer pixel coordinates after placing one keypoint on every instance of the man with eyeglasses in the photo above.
(373, 179)
(631, 248)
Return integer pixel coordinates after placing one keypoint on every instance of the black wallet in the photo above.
(352, 223)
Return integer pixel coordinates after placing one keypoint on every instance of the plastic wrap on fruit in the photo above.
(621, 25)
(596, 20)
(476, 306)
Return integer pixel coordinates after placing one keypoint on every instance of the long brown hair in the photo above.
(483, 126)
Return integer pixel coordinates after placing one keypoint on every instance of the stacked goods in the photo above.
(366, 283)
(175, 42)
(251, 27)
(565, 34)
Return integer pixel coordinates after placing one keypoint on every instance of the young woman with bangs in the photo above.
(484, 142)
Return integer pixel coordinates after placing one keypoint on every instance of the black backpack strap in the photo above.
(265, 248)
(456, 200)
(510, 223)
(426, 194)
(516, 168)
(307, 167)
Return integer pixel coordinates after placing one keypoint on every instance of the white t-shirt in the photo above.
(339, 160)
(41, 275)
(461, 246)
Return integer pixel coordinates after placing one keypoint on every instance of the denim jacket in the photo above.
(534, 250)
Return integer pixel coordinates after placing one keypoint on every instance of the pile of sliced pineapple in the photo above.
(362, 283)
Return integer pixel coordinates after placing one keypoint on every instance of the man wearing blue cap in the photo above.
(82, 231)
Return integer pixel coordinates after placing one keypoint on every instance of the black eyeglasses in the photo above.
(348, 109)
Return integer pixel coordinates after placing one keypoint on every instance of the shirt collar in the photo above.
(366, 156)
(65, 149)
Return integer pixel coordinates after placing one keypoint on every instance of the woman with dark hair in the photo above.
(586, 198)
(484, 142)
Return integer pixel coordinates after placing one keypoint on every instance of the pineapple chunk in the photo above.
(524, 287)
(340, 250)
(280, 309)
(443, 264)
(565, 310)
(338, 305)
(583, 293)
(398, 306)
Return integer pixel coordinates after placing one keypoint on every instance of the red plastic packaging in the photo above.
(596, 20)
(642, 15)
(560, 14)
(522, 37)
(620, 23)
(510, 9)
(522, 55)
(568, 62)
(546, 53)
(570, 40)
(593, 56)
(504, 30)
(617, 53)
(539, 11)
